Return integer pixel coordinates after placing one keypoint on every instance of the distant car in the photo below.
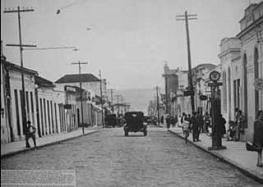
(134, 123)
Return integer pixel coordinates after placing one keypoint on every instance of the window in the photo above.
(256, 75)
(32, 108)
(48, 115)
(27, 106)
(45, 115)
(41, 117)
(17, 114)
(52, 119)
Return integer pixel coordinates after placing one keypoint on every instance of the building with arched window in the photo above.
(242, 69)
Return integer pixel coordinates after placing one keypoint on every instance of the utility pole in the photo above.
(101, 100)
(185, 18)
(157, 102)
(81, 92)
(111, 95)
(21, 45)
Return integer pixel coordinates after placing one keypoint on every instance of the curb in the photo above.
(245, 171)
(44, 145)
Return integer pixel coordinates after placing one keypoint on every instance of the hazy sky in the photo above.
(129, 40)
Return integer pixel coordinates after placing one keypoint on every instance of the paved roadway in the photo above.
(107, 158)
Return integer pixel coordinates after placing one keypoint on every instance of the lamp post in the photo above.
(215, 104)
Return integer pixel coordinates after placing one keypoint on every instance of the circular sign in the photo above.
(214, 76)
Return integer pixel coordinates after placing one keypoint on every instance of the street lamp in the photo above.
(215, 103)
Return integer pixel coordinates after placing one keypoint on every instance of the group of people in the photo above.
(170, 120)
(236, 127)
(197, 123)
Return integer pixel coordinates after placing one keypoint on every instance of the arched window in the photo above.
(256, 76)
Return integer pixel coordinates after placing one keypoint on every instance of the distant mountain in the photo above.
(137, 98)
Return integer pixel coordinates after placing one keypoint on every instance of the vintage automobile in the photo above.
(134, 123)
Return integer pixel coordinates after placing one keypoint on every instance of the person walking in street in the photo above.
(168, 121)
(206, 122)
(195, 127)
(185, 122)
(222, 127)
(258, 137)
(200, 123)
(30, 132)
(237, 124)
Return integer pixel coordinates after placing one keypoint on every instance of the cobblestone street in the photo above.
(107, 158)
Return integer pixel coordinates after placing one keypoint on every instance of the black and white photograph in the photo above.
(131, 93)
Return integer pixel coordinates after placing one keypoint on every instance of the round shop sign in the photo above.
(214, 76)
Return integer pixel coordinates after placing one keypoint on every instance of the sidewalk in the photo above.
(235, 154)
(19, 146)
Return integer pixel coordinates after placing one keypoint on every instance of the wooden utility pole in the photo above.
(21, 45)
(185, 18)
(101, 101)
(81, 91)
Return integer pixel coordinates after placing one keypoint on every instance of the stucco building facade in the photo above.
(242, 69)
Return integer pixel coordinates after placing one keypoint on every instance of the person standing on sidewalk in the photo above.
(30, 132)
(168, 121)
(206, 122)
(195, 127)
(185, 122)
(237, 124)
(258, 136)
(200, 123)
(222, 127)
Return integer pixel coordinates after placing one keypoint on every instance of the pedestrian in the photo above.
(173, 121)
(206, 122)
(195, 127)
(222, 127)
(240, 120)
(258, 137)
(162, 120)
(231, 131)
(168, 121)
(185, 126)
(200, 123)
(237, 127)
(30, 132)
